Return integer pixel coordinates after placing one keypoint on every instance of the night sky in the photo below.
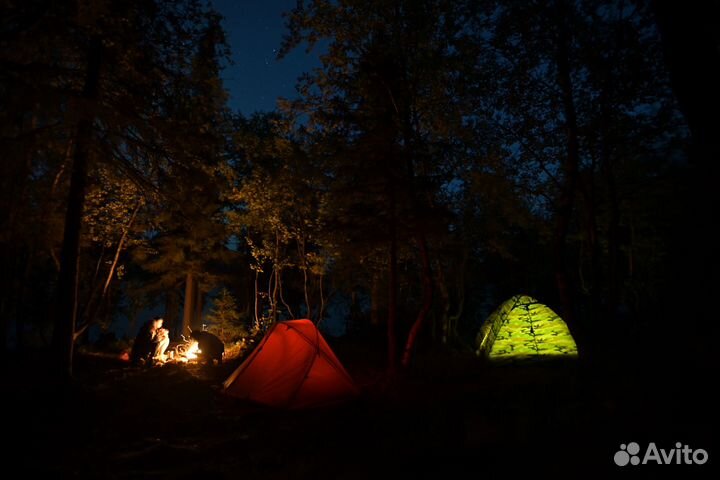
(256, 78)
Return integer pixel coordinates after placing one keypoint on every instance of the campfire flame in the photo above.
(193, 351)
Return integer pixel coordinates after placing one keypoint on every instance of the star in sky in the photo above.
(256, 78)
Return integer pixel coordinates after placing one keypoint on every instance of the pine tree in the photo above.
(224, 318)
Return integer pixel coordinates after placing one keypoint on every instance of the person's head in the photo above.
(157, 322)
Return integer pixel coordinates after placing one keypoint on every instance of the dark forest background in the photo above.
(447, 155)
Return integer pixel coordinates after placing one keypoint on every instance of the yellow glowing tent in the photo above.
(524, 329)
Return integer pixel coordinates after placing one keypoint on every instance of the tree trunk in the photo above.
(189, 304)
(101, 257)
(427, 302)
(118, 251)
(454, 319)
(445, 294)
(566, 199)
(197, 321)
(23, 294)
(246, 300)
(63, 334)
(172, 311)
(613, 227)
(591, 237)
(94, 304)
(282, 297)
(303, 258)
(275, 280)
(274, 294)
(375, 301)
(393, 290)
(321, 311)
(256, 307)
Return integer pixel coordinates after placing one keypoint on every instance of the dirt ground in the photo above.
(451, 415)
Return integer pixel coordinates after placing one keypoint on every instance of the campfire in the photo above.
(185, 352)
(192, 353)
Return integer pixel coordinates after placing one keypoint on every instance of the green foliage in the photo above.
(383, 121)
(277, 215)
(225, 320)
(628, 127)
(157, 123)
(437, 119)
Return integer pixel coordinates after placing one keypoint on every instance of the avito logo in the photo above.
(680, 455)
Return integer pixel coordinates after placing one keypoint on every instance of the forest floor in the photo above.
(451, 415)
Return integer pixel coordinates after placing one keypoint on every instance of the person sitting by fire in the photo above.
(150, 343)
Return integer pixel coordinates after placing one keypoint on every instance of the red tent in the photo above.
(293, 367)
